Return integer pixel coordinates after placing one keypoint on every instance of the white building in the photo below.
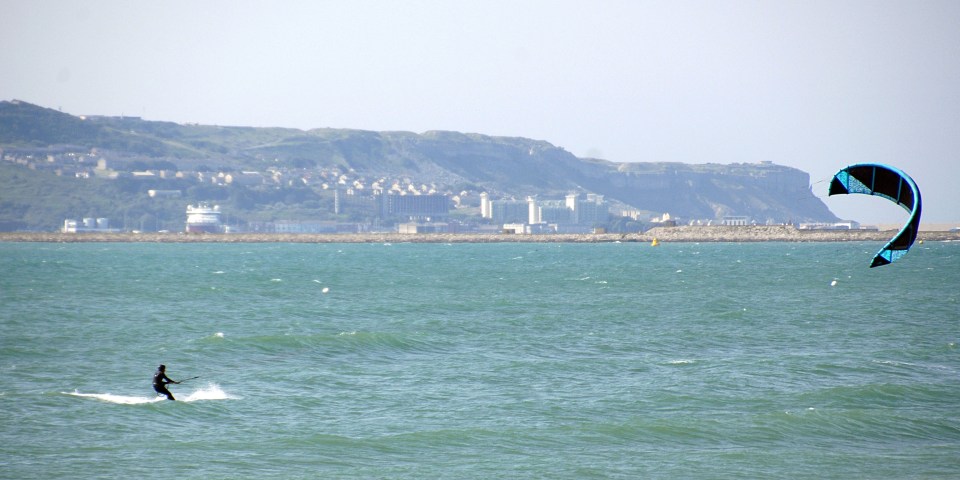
(486, 206)
(86, 225)
(736, 220)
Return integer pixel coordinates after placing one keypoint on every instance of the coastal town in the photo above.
(400, 204)
(423, 212)
(149, 177)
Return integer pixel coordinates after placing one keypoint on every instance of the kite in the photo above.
(894, 185)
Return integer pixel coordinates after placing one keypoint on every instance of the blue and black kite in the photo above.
(892, 184)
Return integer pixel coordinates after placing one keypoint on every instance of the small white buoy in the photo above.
(833, 283)
(218, 334)
(325, 289)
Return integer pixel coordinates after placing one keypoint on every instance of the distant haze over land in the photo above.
(308, 163)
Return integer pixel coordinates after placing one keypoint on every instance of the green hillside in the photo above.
(50, 173)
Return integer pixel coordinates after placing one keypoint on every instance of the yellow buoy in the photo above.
(654, 243)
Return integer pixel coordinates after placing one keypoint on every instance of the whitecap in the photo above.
(895, 363)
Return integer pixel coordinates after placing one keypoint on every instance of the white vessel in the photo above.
(203, 219)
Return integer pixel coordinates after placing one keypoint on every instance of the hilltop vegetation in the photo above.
(64, 166)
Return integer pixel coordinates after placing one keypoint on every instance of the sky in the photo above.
(815, 85)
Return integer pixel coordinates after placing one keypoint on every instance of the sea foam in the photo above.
(119, 399)
(209, 392)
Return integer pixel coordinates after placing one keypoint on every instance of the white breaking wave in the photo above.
(209, 392)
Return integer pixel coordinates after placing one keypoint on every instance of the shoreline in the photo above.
(662, 234)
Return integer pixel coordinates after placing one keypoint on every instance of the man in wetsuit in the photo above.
(160, 381)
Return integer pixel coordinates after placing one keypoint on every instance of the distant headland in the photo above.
(138, 174)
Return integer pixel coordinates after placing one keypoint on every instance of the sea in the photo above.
(479, 361)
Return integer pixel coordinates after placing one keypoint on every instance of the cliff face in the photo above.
(760, 191)
(503, 166)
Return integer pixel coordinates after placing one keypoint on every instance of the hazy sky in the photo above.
(810, 84)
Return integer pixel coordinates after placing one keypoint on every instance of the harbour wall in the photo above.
(662, 234)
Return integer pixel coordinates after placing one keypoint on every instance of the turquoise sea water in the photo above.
(478, 361)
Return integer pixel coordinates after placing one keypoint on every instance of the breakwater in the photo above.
(662, 234)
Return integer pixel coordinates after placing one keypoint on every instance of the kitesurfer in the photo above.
(161, 380)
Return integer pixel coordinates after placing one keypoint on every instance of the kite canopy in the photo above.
(892, 184)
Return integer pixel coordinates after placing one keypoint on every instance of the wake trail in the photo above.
(209, 392)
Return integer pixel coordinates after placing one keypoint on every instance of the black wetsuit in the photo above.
(160, 381)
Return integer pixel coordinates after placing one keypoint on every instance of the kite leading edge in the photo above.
(894, 185)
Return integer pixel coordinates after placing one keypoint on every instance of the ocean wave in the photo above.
(382, 342)
(852, 426)
(328, 345)
(875, 395)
